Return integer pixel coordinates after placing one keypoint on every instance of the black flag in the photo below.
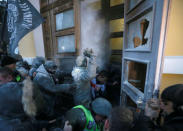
(21, 18)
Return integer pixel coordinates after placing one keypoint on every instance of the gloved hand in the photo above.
(152, 108)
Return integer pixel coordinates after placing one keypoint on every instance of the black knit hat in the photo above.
(174, 94)
(7, 60)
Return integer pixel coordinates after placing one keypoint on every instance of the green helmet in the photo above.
(101, 106)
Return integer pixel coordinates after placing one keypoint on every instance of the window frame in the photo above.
(55, 7)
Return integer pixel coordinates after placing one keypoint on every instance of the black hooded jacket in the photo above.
(172, 122)
(12, 115)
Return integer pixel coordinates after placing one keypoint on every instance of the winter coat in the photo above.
(45, 80)
(172, 122)
(82, 94)
(20, 104)
(49, 89)
(82, 76)
(10, 100)
(16, 125)
(12, 115)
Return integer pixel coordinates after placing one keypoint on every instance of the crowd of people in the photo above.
(38, 98)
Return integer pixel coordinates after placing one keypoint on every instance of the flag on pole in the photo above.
(21, 18)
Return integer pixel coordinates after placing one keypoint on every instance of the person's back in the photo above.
(120, 119)
(83, 73)
(12, 115)
(10, 100)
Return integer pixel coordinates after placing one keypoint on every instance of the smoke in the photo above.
(94, 33)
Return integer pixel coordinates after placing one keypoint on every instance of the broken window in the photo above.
(139, 32)
(137, 74)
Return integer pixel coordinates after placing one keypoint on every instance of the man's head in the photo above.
(102, 77)
(50, 66)
(23, 64)
(120, 119)
(8, 61)
(171, 99)
(101, 109)
(6, 75)
(38, 61)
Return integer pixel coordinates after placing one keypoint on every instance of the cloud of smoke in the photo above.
(94, 33)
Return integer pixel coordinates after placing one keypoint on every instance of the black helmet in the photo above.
(101, 106)
(7, 60)
(174, 94)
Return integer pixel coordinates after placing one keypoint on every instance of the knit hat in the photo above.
(101, 106)
(174, 94)
(7, 60)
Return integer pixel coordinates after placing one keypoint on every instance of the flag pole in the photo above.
(3, 12)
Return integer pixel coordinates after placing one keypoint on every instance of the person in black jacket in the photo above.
(171, 104)
(10, 62)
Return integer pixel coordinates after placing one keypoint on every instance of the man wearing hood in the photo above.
(45, 81)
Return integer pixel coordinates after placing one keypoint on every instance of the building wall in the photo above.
(173, 63)
(116, 2)
(170, 79)
(174, 46)
(116, 26)
(26, 46)
(116, 43)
